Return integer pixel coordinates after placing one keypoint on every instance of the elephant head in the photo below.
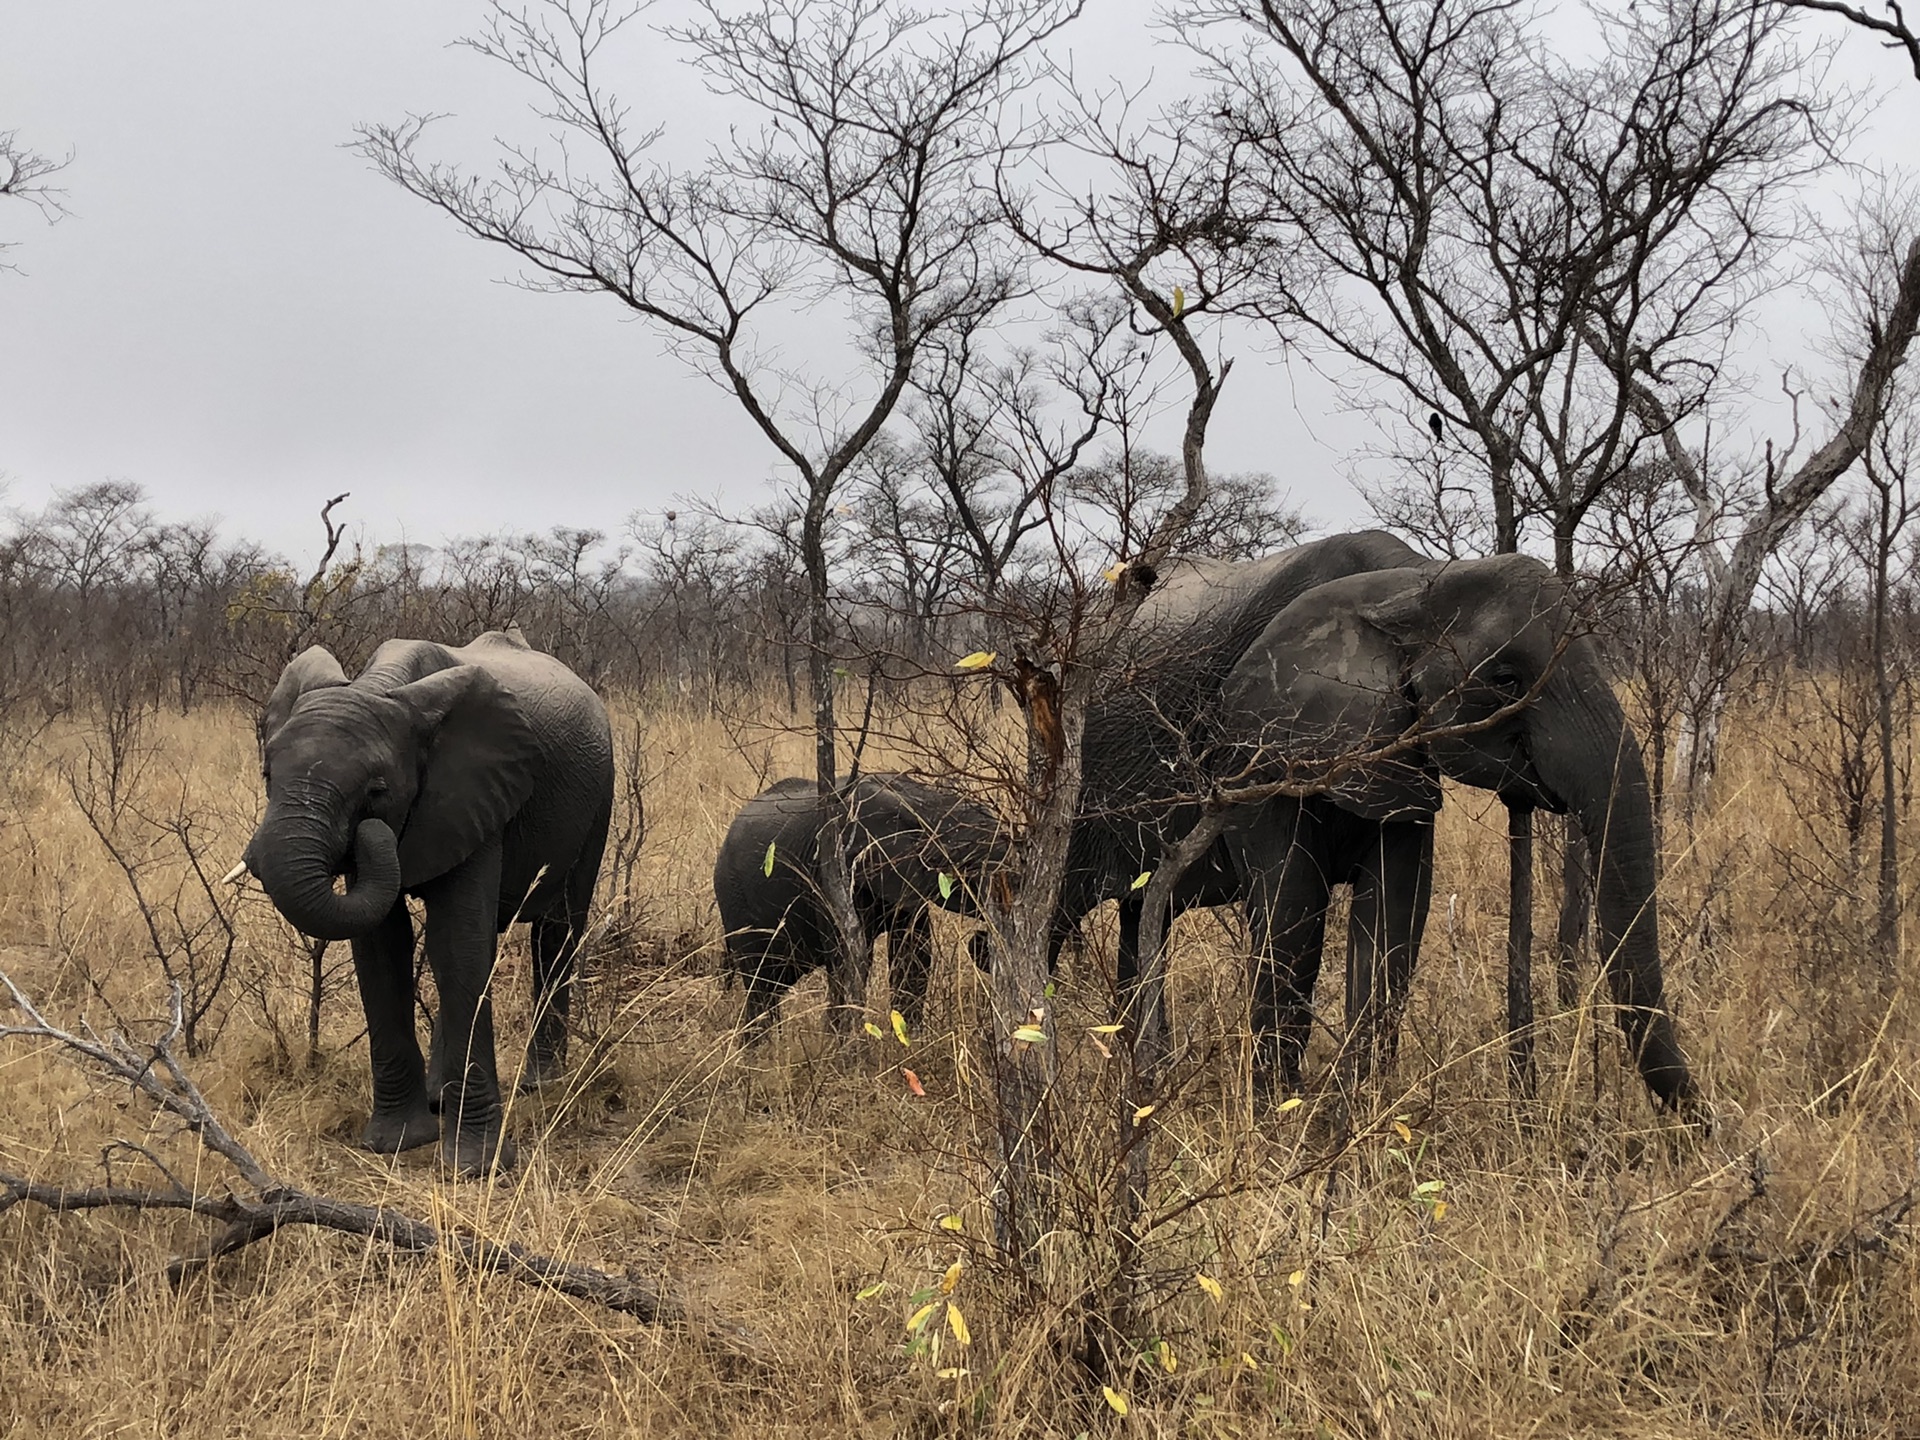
(389, 788)
(1371, 687)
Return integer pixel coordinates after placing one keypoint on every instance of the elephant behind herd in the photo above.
(1337, 681)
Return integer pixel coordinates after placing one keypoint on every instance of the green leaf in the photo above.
(946, 886)
(1031, 1034)
(1429, 1187)
(872, 1290)
(766, 867)
(1140, 881)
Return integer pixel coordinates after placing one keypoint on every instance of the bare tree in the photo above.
(1506, 236)
(1888, 464)
(1877, 314)
(1168, 236)
(859, 180)
(25, 175)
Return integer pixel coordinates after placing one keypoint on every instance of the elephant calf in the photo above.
(910, 846)
(479, 779)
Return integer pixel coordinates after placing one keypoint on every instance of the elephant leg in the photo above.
(555, 939)
(909, 962)
(763, 977)
(556, 944)
(383, 964)
(1392, 887)
(1287, 891)
(462, 937)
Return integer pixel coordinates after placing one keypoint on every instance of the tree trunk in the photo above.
(1576, 909)
(1886, 936)
(847, 971)
(1520, 1064)
(1025, 1070)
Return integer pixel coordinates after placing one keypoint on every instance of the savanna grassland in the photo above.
(1461, 1265)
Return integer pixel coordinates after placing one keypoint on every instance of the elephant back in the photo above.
(1147, 735)
(909, 834)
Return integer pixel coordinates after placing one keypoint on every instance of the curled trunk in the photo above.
(296, 858)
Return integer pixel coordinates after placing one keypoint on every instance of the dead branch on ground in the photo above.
(264, 1204)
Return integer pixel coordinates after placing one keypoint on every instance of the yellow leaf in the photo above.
(1116, 1402)
(951, 1222)
(957, 1323)
(1179, 301)
(1140, 880)
(1439, 1209)
(1142, 1113)
(1031, 1034)
(1211, 1286)
(1248, 1361)
(1400, 1129)
(1285, 1105)
(978, 660)
(919, 1317)
(871, 1290)
(1167, 1361)
(1106, 1030)
(952, 1277)
(954, 1372)
(1113, 572)
(873, 1029)
(900, 1028)
(1296, 1278)
(766, 867)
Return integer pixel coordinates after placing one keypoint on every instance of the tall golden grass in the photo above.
(1468, 1266)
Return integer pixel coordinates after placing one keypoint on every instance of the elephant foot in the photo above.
(472, 1154)
(542, 1071)
(390, 1132)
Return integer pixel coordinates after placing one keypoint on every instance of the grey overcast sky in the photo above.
(241, 317)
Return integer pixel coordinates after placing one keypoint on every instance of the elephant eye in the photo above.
(377, 787)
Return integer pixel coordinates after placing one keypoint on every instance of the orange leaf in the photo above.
(913, 1084)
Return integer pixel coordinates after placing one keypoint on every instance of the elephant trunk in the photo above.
(1587, 755)
(296, 854)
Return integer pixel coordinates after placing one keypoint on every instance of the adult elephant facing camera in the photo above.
(479, 779)
(1476, 670)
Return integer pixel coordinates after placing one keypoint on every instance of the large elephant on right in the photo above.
(1368, 689)
(1149, 743)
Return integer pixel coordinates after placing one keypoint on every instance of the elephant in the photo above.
(1147, 747)
(477, 778)
(1379, 683)
(911, 846)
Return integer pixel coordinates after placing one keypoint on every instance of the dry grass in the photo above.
(1591, 1272)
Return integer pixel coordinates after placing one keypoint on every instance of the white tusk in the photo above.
(235, 876)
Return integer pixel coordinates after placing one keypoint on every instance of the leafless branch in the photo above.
(152, 1071)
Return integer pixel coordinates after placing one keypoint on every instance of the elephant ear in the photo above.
(1324, 685)
(476, 771)
(312, 669)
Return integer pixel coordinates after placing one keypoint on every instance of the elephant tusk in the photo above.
(236, 876)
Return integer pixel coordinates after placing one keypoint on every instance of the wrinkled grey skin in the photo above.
(1149, 741)
(479, 779)
(1486, 658)
(905, 835)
